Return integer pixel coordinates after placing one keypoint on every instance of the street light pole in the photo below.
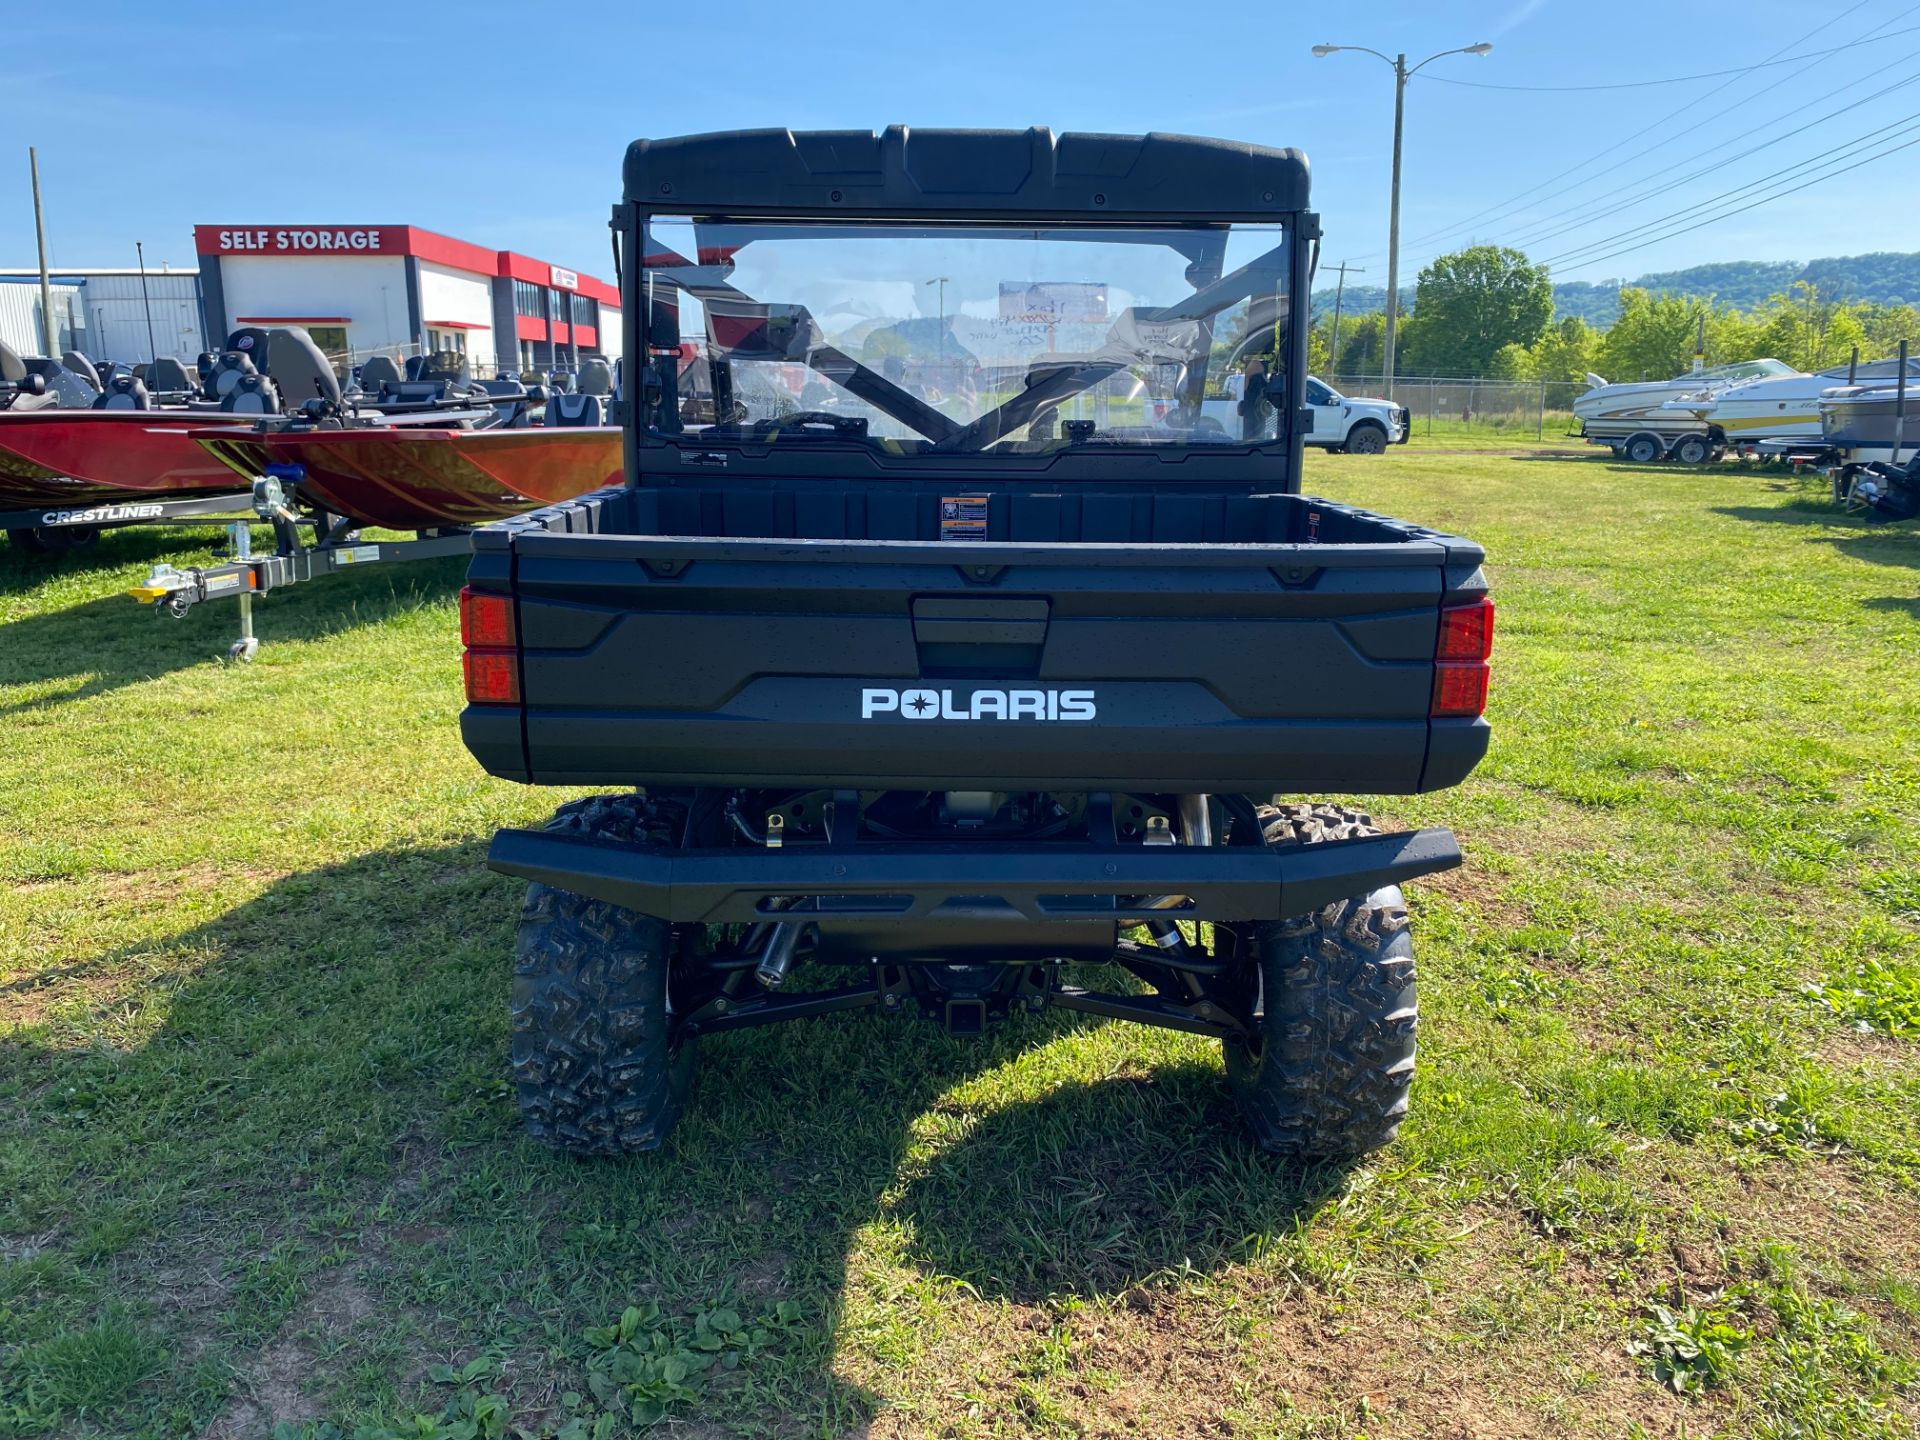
(1402, 72)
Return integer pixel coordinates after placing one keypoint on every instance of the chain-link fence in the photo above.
(1497, 409)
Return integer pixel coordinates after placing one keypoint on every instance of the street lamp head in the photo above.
(1483, 48)
(1320, 52)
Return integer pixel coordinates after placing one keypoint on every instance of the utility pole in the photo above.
(40, 234)
(1339, 294)
(940, 335)
(153, 351)
(1401, 74)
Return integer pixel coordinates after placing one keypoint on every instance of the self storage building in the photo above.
(398, 288)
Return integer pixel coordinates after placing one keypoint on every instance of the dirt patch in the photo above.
(274, 1385)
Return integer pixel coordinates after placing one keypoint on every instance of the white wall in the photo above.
(449, 294)
(117, 317)
(323, 285)
(20, 317)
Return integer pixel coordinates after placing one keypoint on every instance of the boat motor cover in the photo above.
(596, 377)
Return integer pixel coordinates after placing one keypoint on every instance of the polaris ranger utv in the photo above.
(941, 644)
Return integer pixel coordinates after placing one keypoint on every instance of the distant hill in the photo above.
(1885, 278)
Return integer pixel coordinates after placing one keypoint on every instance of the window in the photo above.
(332, 339)
(440, 341)
(529, 299)
(582, 310)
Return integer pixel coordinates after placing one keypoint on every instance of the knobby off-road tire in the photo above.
(1328, 1072)
(601, 1063)
(1366, 438)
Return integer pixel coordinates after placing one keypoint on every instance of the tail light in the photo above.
(491, 662)
(1460, 670)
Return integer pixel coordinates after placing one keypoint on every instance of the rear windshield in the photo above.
(963, 339)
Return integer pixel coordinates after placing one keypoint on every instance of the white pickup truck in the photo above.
(1358, 427)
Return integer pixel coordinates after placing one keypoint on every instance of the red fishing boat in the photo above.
(98, 457)
(411, 477)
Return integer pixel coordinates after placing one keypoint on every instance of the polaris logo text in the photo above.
(980, 705)
(100, 515)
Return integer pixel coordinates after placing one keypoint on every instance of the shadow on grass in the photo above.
(331, 1071)
(117, 546)
(102, 645)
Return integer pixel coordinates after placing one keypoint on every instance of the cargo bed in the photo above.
(826, 635)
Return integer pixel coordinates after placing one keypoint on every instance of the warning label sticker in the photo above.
(963, 517)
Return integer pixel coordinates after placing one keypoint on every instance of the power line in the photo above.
(1727, 215)
(1876, 136)
(1506, 207)
(1578, 215)
(1674, 79)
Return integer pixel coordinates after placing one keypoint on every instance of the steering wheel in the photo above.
(840, 424)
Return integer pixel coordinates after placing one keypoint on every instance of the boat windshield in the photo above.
(1744, 370)
(924, 338)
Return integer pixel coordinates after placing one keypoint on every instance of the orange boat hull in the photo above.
(413, 478)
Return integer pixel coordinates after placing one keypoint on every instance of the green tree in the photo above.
(1654, 337)
(1512, 362)
(1886, 327)
(1805, 331)
(1363, 343)
(1469, 304)
(1565, 354)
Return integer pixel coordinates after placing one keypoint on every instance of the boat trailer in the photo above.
(336, 546)
(80, 524)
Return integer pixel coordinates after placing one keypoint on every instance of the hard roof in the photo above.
(965, 173)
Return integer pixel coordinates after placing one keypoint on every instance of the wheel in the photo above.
(1328, 1069)
(1366, 438)
(242, 651)
(1692, 450)
(601, 1063)
(1644, 449)
(54, 540)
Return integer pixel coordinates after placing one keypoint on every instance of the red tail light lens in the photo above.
(486, 619)
(1466, 631)
(1460, 651)
(1459, 688)
(493, 677)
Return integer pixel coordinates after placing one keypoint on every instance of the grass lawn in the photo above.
(260, 1171)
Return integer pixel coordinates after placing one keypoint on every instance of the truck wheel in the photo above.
(602, 1065)
(1644, 449)
(1692, 450)
(1328, 1068)
(1366, 438)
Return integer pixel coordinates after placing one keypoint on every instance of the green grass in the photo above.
(259, 1168)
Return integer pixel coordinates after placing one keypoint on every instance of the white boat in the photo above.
(1783, 407)
(1631, 417)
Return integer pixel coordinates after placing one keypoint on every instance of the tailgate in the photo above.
(924, 665)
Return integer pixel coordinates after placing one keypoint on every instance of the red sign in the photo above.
(301, 240)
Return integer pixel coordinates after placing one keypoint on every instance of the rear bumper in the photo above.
(970, 883)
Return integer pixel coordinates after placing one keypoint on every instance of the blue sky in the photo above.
(504, 124)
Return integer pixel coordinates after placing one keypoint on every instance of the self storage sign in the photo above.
(307, 240)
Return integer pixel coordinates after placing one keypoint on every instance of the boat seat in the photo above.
(298, 368)
(204, 364)
(411, 392)
(378, 370)
(502, 386)
(596, 377)
(448, 365)
(250, 341)
(124, 392)
(167, 376)
(251, 395)
(83, 367)
(564, 409)
(12, 368)
(564, 383)
(229, 370)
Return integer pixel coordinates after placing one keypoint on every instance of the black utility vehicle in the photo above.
(958, 629)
